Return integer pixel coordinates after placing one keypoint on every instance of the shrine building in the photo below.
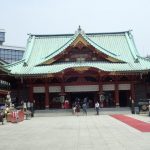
(96, 66)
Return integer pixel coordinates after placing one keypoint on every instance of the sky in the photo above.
(21, 17)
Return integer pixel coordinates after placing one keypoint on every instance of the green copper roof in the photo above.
(2, 68)
(104, 66)
(2, 62)
(41, 48)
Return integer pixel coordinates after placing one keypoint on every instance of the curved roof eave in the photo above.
(107, 67)
(4, 69)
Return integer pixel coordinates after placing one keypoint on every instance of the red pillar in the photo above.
(46, 96)
(132, 92)
(18, 91)
(62, 94)
(116, 94)
(100, 86)
(31, 92)
(62, 85)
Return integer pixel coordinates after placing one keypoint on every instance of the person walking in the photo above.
(97, 108)
(28, 106)
(84, 107)
(73, 109)
(77, 108)
(25, 106)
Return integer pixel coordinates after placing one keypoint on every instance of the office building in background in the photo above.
(9, 54)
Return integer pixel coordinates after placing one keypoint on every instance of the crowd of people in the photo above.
(84, 105)
(78, 105)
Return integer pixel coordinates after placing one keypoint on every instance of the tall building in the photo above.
(9, 54)
(4, 85)
(2, 36)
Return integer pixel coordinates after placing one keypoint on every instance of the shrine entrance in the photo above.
(39, 100)
(124, 98)
(90, 96)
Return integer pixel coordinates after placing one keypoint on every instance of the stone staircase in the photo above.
(91, 111)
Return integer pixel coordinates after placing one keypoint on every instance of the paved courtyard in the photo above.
(73, 133)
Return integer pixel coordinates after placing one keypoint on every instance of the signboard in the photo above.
(124, 87)
(108, 87)
(39, 89)
(54, 89)
(81, 88)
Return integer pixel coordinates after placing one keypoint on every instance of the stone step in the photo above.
(91, 111)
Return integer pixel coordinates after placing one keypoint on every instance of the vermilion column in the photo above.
(132, 91)
(100, 86)
(31, 92)
(100, 90)
(46, 96)
(62, 94)
(18, 91)
(62, 84)
(117, 94)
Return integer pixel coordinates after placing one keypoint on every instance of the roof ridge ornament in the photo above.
(130, 33)
(79, 31)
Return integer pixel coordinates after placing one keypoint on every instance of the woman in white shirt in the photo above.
(97, 108)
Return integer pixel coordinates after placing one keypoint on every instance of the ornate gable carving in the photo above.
(80, 43)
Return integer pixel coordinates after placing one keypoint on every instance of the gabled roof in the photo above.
(81, 36)
(118, 45)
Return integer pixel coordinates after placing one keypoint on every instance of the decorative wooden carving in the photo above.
(81, 69)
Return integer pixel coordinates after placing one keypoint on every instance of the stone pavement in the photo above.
(73, 133)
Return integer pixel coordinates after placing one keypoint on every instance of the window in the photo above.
(11, 55)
